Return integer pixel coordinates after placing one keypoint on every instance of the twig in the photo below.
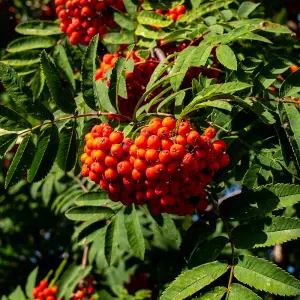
(283, 100)
(80, 184)
(160, 54)
(85, 256)
(199, 37)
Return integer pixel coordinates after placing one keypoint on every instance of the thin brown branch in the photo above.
(199, 37)
(80, 184)
(85, 256)
(283, 100)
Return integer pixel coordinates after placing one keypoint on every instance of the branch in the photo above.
(283, 100)
(199, 38)
(85, 190)
(85, 256)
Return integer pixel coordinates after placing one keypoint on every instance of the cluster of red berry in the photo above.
(173, 13)
(166, 167)
(43, 292)
(84, 291)
(136, 81)
(82, 19)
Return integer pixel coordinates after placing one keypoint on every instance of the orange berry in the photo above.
(154, 126)
(181, 140)
(163, 132)
(294, 68)
(83, 157)
(98, 155)
(210, 132)
(90, 144)
(101, 143)
(98, 167)
(88, 136)
(154, 142)
(116, 137)
(166, 144)
(107, 58)
(184, 128)
(141, 141)
(94, 177)
(169, 122)
(136, 175)
(177, 151)
(219, 146)
(107, 130)
(151, 155)
(167, 200)
(110, 161)
(116, 150)
(180, 9)
(85, 171)
(165, 156)
(133, 150)
(124, 168)
(97, 131)
(89, 161)
(43, 283)
(223, 160)
(87, 150)
(141, 153)
(193, 138)
(150, 173)
(111, 174)
(140, 165)
(144, 131)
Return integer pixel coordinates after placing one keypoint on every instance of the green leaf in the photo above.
(190, 57)
(62, 62)
(22, 95)
(266, 232)
(260, 201)
(192, 281)
(103, 97)
(58, 271)
(116, 38)
(238, 291)
(226, 57)
(96, 199)
(216, 294)
(112, 240)
(7, 141)
(259, 109)
(246, 9)
(251, 176)
(152, 18)
(131, 8)
(289, 116)
(38, 84)
(134, 232)
(208, 252)
(124, 21)
(270, 72)
(167, 226)
(23, 58)
(88, 74)
(235, 34)
(43, 28)
(31, 282)
(265, 276)
(89, 233)
(255, 37)
(150, 33)
(21, 161)
(45, 155)
(213, 91)
(88, 213)
(70, 279)
(195, 235)
(31, 42)
(67, 151)
(291, 85)
(17, 294)
(47, 190)
(60, 89)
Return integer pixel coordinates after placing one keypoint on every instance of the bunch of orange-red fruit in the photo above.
(43, 292)
(82, 19)
(136, 81)
(166, 167)
(174, 13)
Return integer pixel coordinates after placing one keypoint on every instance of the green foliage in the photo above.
(265, 276)
(112, 240)
(192, 281)
(238, 291)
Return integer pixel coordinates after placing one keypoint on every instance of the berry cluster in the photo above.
(173, 13)
(136, 81)
(165, 167)
(82, 19)
(43, 292)
(84, 291)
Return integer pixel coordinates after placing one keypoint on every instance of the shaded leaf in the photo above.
(67, 151)
(31, 282)
(89, 233)
(124, 21)
(7, 141)
(246, 8)
(126, 37)
(134, 232)
(20, 59)
(22, 95)
(266, 232)
(45, 155)
(112, 240)
(216, 294)
(21, 161)
(60, 90)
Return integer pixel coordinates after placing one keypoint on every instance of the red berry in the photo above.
(210, 132)
(111, 174)
(116, 137)
(184, 128)
(154, 142)
(169, 122)
(177, 151)
(124, 168)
